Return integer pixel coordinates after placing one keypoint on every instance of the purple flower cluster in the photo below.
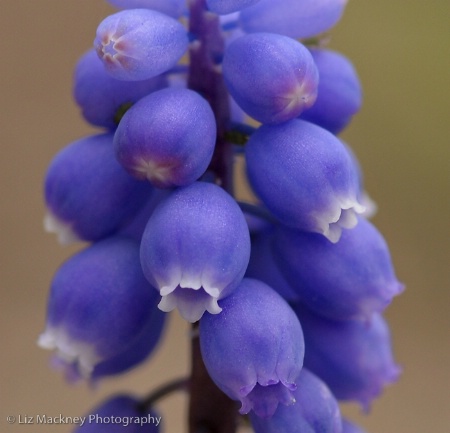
(287, 292)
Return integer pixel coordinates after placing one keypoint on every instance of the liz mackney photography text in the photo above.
(81, 420)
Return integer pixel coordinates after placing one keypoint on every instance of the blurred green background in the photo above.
(402, 138)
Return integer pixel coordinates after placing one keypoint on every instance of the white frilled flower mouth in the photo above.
(69, 351)
(343, 215)
(263, 399)
(191, 299)
(62, 229)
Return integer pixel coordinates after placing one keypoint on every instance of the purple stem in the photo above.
(210, 411)
(204, 77)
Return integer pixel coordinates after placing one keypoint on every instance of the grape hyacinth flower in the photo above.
(294, 18)
(354, 358)
(99, 303)
(273, 78)
(310, 182)
(195, 249)
(253, 349)
(89, 196)
(350, 279)
(285, 294)
(339, 92)
(315, 410)
(138, 44)
(167, 153)
(133, 354)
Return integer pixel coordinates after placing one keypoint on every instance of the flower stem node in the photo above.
(195, 249)
(253, 350)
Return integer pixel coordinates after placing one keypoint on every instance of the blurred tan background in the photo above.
(402, 137)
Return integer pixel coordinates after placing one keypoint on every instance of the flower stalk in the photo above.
(210, 410)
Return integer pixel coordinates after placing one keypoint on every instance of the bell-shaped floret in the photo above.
(138, 44)
(120, 413)
(229, 6)
(349, 427)
(168, 137)
(136, 353)
(88, 194)
(174, 8)
(315, 410)
(339, 95)
(294, 18)
(305, 176)
(103, 99)
(273, 78)
(195, 249)
(253, 350)
(354, 358)
(99, 304)
(348, 280)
